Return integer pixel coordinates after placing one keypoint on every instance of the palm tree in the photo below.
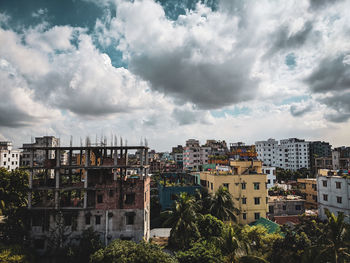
(338, 242)
(182, 220)
(236, 250)
(222, 205)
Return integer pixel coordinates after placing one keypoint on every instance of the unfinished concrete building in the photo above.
(96, 186)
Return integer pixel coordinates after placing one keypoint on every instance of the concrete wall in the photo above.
(332, 192)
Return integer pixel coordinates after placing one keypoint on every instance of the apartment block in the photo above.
(292, 154)
(240, 151)
(271, 175)
(333, 188)
(247, 185)
(308, 187)
(97, 186)
(194, 155)
(9, 157)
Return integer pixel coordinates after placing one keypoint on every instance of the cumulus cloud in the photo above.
(300, 109)
(198, 58)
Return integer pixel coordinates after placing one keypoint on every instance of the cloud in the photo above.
(318, 4)
(284, 39)
(300, 109)
(331, 74)
(187, 116)
(198, 58)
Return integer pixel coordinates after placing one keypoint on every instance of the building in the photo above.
(318, 150)
(217, 148)
(286, 206)
(194, 155)
(9, 157)
(172, 184)
(271, 175)
(39, 157)
(308, 187)
(103, 190)
(333, 190)
(177, 153)
(341, 158)
(292, 154)
(247, 185)
(240, 151)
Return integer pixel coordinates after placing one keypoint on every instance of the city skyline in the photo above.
(173, 70)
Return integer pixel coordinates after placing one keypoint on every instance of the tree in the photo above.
(121, 251)
(13, 196)
(210, 227)
(13, 254)
(222, 205)
(337, 247)
(182, 220)
(201, 252)
(89, 243)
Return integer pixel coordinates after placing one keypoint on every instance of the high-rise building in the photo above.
(194, 155)
(290, 154)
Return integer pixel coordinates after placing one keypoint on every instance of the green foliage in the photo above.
(201, 252)
(13, 254)
(222, 205)
(209, 227)
(130, 252)
(13, 196)
(89, 243)
(182, 220)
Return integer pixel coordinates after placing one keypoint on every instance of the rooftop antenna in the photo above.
(96, 140)
(111, 139)
(71, 141)
(126, 142)
(141, 142)
(115, 140)
(81, 142)
(121, 141)
(146, 142)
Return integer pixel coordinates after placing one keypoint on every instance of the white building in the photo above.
(194, 155)
(290, 154)
(333, 193)
(271, 175)
(9, 158)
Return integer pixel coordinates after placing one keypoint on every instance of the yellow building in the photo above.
(308, 186)
(247, 185)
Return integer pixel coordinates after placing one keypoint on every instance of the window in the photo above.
(284, 207)
(257, 200)
(271, 209)
(314, 197)
(244, 216)
(256, 216)
(97, 220)
(338, 185)
(339, 199)
(99, 199)
(173, 197)
(268, 171)
(244, 200)
(226, 185)
(324, 183)
(244, 185)
(67, 220)
(325, 197)
(211, 186)
(268, 181)
(111, 193)
(87, 220)
(130, 199)
(130, 216)
(256, 186)
(298, 207)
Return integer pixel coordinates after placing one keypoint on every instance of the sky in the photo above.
(171, 70)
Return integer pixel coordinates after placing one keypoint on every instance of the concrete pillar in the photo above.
(115, 162)
(57, 177)
(87, 162)
(30, 179)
